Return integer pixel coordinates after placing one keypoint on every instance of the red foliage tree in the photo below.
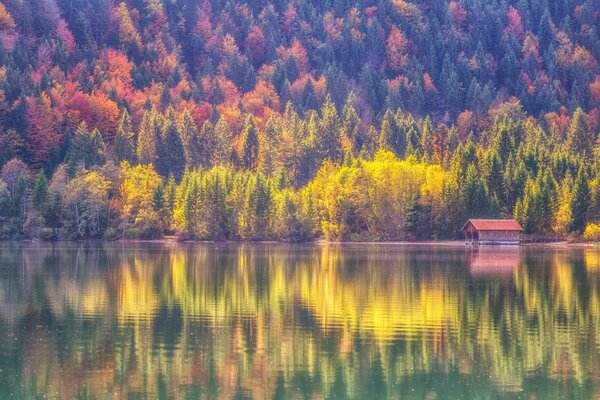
(43, 133)
(595, 90)
(64, 34)
(397, 54)
(515, 24)
(256, 46)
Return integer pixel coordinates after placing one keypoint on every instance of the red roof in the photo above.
(494, 225)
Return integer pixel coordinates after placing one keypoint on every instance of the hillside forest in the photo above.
(297, 120)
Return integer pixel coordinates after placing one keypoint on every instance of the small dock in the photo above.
(531, 239)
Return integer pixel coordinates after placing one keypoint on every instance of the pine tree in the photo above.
(413, 218)
(495, 175)
(189, 135)
(191, 210)
(476, 202)
(580, 202)
(579, 138)
(223, 154)
(40, 192)
(328, 140)
(171, 153)
(390, 137)
(268, 146)
(504, 143)
(249, 145)
(350, 127)
(123, 147)
(215, 194)
(545, 30)
(86, 148)
(147, 139)
(206, 143)
(170, 194)
(427, 139)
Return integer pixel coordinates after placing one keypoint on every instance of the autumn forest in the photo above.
(297, 120)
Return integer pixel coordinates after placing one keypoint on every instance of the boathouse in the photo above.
(492, 231)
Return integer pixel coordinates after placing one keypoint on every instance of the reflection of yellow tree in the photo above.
(241, 316)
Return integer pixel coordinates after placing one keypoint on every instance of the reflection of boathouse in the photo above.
(492, 231)
(494, 262)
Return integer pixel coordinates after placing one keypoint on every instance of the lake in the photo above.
(276, 321)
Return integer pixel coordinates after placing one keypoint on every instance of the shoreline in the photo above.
(437, 243)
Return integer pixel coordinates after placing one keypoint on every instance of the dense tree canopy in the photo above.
(297, 120)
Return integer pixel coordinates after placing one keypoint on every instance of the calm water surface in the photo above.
(297, 321)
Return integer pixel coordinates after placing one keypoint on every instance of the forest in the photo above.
(297, 120)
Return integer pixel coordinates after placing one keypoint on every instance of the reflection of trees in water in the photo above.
(278, 321)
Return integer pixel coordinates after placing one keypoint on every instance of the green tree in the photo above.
(249, 148)
(476, 200)
(188, 132)
(86, 149)
(350, 128)
(390, 137)
(223, 154)
(171, 153)
(580, 140)
(123, 147)
(327, 141)
(40, 192)
(148, 138)
(580, 202)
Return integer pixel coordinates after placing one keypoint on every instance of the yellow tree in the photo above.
(139, 218)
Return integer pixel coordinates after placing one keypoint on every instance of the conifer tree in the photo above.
(123, 147)
(206, 144)
(170, 193)
(189, 135)
(40, 192)
(86, 148)
(223, 153)
(390, 138)
(147, 139)
(191, 208)
(268, 146)
(350, 126)
(580, 202)
(579, 140)
(215, 207)
(171, 153)
(476, 202)
(427, 145)
(249, 145)
(328, 140)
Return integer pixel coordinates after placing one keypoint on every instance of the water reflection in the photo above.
(279, 321)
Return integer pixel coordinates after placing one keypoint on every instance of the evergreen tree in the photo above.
(86, 148)
(171, 153)
(350, 126)
(579, 140)
(390, 137)
(123, 147)
(40, 192)
(215, 194)
(205, 144)
(223, 154)
(328, 140)
(189, 137)
(249, 145)
(191, 209)
(413, 219)
(580, 202)
(476, 202)
(148, 139)
(427, 145)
